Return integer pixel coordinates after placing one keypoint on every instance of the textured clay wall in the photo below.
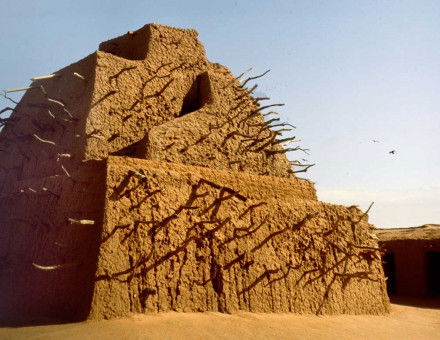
(47, 263)
(185, 238)
(195, 239)
(175, 104)
(44, 135)
(48, 258)
(411, 266)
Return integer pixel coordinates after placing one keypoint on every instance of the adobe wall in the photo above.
(195, 239)
(45, 132)
(48, 259)
(411, 271)
(109, 102)
(167, 100)
(54, 146)
(65, 233)
(47, 263)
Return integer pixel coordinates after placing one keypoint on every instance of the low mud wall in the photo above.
(194, 239)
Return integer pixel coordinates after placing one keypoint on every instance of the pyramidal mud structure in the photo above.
(144, 178)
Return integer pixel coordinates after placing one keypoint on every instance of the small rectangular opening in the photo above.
(389, 268)
(433, 273)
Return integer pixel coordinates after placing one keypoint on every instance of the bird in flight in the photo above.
(392, 152)
(375, 141)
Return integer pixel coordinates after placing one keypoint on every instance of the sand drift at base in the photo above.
(145, 178)
(402, 323)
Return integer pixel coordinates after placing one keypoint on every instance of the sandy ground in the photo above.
(404, 322)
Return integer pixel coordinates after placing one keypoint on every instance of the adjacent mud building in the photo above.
(412, 260)
(144, 178)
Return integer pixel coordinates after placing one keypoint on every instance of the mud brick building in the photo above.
(144, 178)
(412, 260)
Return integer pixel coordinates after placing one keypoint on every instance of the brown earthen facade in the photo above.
(144, 178)
(411, 259)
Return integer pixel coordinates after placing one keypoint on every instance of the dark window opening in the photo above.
(198, 95)
(389, 268)
(433, 273)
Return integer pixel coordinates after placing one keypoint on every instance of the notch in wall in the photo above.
(199, 95)
(132, 45)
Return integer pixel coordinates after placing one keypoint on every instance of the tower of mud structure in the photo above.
(144, 178)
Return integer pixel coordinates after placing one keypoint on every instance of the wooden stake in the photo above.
(55, 267)
(44, 77)
(84, 222)
(43, 140)
(19, 89)
(78, 75)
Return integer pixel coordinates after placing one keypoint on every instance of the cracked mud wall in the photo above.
(36, 236)
(44, 181)
(194, 239)
(411, 260)
(175, 104)
(220, 136)
(131, 96)
(153, 94)
(52, 170)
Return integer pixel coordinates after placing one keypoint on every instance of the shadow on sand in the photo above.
(422, 302)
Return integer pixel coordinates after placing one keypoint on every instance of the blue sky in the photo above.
(348, 71)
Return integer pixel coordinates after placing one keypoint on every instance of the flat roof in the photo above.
(424, 232)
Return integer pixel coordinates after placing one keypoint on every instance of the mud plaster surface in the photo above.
(407, 259)
(425, 232)
(195, 239)
(152, 94)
